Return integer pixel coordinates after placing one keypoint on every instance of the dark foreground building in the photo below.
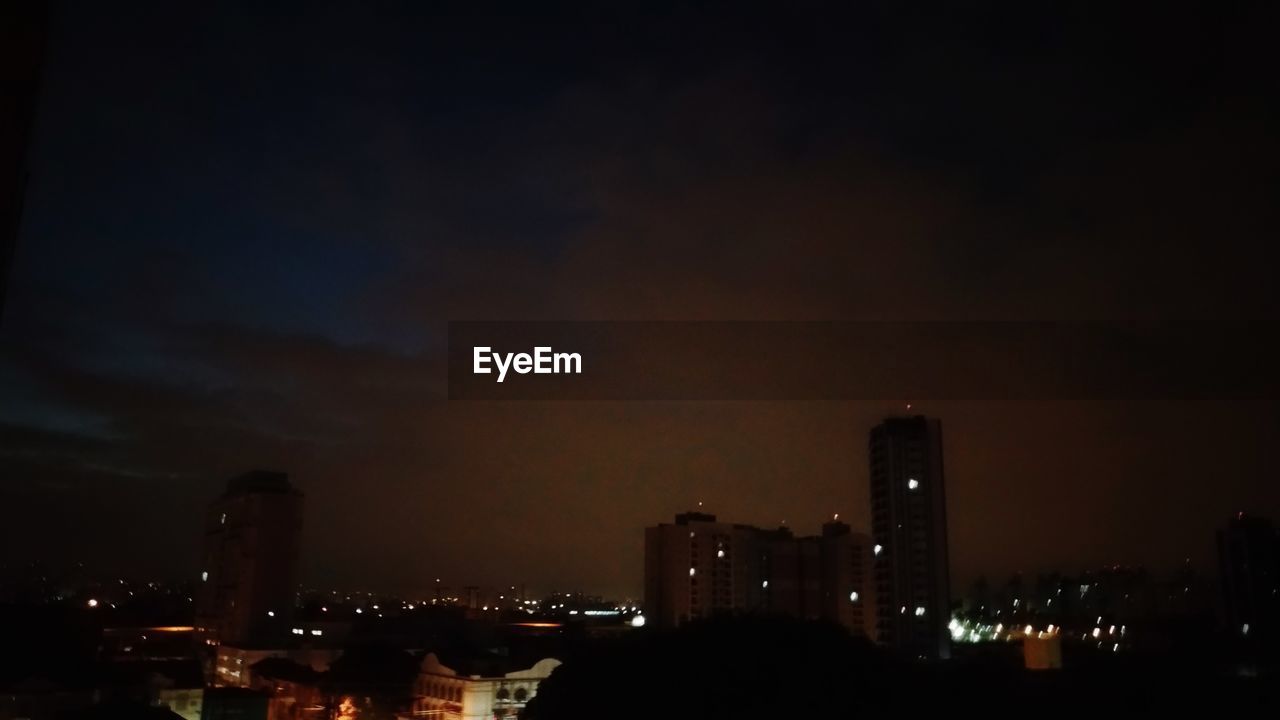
(248, 581)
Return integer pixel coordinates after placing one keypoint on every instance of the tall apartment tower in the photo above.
(1249, 565)
(697, 567)
(846, 583)
(248, 578)
(909, 529)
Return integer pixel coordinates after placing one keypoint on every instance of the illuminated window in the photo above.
(912, 484)
(853, 596)
(878, 549)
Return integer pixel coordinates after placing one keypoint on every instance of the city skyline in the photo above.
(429, 581)
(245, 256)
(543, 361)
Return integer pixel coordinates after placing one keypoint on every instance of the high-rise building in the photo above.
(909, 529)
(248, 577)
(697, 567)
(1249, 563)
(846, 585)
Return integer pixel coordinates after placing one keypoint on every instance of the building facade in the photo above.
(1249, 565)
(697, 567)
(233, 666)
(909, 531)
(247, 579)
(443, 692)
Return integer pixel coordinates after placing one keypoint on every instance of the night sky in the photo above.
(246, 229)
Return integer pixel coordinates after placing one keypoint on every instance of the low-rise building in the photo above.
(443, 692)
(233, 666)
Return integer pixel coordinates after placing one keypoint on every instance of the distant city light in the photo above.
(1096, 633)
(877, 549)
(693, 571)
(94, 603)
(919, 611)
(765, 584)
(204, 576)
(317, 632)
(1244, 629)
(853, 596)
(359, 611)
(271, 613)
(719, 553)
(912, 484)
(1028, 630)
(637, 621)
